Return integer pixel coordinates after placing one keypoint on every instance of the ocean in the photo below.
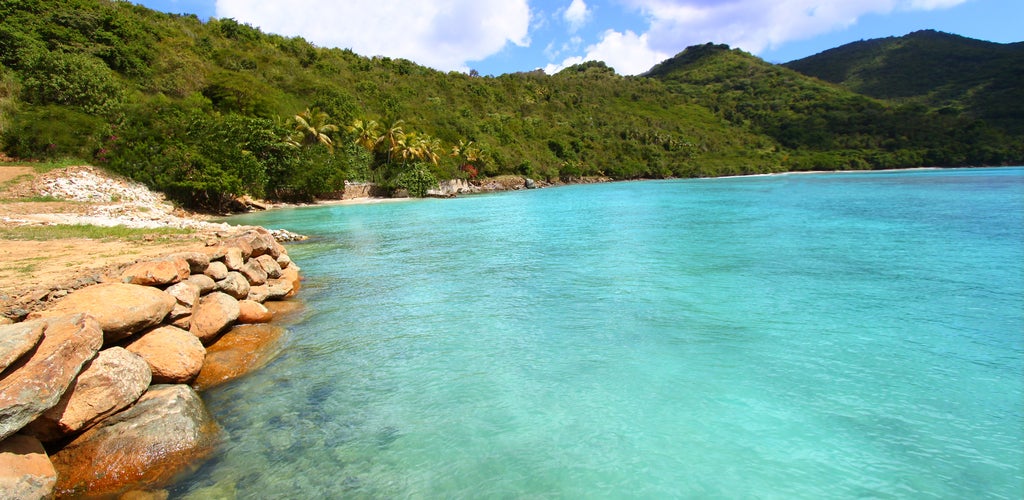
(839, 335)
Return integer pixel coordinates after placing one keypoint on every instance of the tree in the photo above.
(312, 127)
(367, 133)
(393, 135)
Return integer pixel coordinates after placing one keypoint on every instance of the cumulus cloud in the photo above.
(443, 34)
(576, 15)
(628, 53)
(757, 25)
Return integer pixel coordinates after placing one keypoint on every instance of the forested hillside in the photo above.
(209, 110)
(938, 70)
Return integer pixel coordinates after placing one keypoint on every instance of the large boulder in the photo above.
(235, 285)
(216, 270)
(36, 382)
(122, 309)
(147, 444)
(269, 265)
(175, 356)
(241, 350)
(291, 275)
(197, 261)
(250, 311)
(186, 293)
(17, 339)
(158, 272)
(253, 272)
(234, 259)
(112, 381)
(214, 314)
(25, 470)
(205, 283)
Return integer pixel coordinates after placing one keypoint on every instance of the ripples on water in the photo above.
(838, 335)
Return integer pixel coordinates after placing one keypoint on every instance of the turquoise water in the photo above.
(814, 336)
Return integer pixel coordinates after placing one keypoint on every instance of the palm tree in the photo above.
(311, 127)
(367, 133)
(393, 134)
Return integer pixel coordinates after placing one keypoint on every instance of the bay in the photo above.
(817, 335)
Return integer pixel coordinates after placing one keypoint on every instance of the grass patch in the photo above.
(42, 167)
(58, 232)
(31, 199)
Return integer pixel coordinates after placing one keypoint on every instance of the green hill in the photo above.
(209, 110)
(932, 68)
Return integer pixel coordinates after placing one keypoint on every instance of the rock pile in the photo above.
(96, 392)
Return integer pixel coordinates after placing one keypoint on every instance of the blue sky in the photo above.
(504, 36)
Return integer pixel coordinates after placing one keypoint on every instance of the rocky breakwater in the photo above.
(98, 391)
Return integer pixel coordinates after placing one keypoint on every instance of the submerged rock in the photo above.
(164, 432)
(243, 349)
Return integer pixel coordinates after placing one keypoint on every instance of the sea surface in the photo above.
(844, 335)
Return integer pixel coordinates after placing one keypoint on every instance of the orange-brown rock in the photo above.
(259, 293)
(187, 295)
(17, 339)
(158, 272)
(241, 350)
(197, 261)
(147, 444)
(206, 283)
(250, 311)
(235, 285)
(254, 273)
(216, 270)
(269, 265)
(285, 310)
(122, 309)
(25, 470)
(175, 356)
(36, 382)
(261, 242)
(112, 381)
(291, 274)
(214, 314)
(234, 259)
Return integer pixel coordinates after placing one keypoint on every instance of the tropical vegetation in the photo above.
(209, 110)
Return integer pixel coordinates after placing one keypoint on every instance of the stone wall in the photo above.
(98, 391)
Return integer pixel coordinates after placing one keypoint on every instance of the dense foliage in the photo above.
(209, 110)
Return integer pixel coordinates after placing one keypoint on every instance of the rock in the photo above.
(261, 242)
(285, 310)
(216, 270)
(283, 260)
(213, 315)
(175, 356)
(279, 289)
(242, 244)
(204, 282)
(254, 273)
(112, 381)
(241, 350)
(184, 322)
(250, 311)
(187, 294)
(291, 275)
(259, 293)
(25, 470)
(17, 339)
(157, 272)
(235, 284)
(269, 265)
(529, 183)
(121, 308)
(37, 381)
(197, 261)
(233, 258)
(147, 444)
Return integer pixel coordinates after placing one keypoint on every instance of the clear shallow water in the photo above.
(833, 335)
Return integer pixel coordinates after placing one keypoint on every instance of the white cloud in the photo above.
(628, 53)
(756, 25)
(576, 15)
(443, 34)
